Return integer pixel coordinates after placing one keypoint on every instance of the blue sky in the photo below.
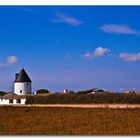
(71, 47)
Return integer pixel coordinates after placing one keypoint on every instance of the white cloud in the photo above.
(130, 57)
(118, 29)
(12, 60)
(63, 18)
(98, 52)
(9, 61)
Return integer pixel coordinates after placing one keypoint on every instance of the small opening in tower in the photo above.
(20, 91)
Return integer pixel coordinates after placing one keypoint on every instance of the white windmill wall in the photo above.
(25, 87)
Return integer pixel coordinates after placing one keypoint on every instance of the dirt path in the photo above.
(112, 106)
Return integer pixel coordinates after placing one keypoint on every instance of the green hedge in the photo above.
(42, 91)
(2, 93)
(105, 98)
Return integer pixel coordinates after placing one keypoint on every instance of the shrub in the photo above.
(90, 91)
(42, 91)
(105, 98)
(2, 93)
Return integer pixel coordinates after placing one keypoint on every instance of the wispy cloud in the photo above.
(63, 18)
(9, 61)
(98, 52)
(130, 57)
(118, 29)
(27, 9)
(67, 56)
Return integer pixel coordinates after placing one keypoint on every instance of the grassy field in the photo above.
(80, 98)
(68, 121)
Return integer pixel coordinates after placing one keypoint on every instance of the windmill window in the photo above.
(20, 91)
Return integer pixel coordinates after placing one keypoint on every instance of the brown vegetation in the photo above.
(84, 98)
(68, 121)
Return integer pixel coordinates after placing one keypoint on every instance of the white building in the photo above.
(22, 89)
(65, 91)
(12, 98)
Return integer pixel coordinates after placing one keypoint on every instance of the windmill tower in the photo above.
(22, 83)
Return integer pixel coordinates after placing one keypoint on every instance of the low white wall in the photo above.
(14, 101)
(23, 101)
(6, 101)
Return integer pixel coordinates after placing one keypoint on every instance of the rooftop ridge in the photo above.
(22, 76)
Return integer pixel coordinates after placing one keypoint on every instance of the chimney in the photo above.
(16, 76)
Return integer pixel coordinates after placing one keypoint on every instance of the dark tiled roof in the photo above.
(22, 77)
(14, 96)
(19, 97)
(8, 96)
